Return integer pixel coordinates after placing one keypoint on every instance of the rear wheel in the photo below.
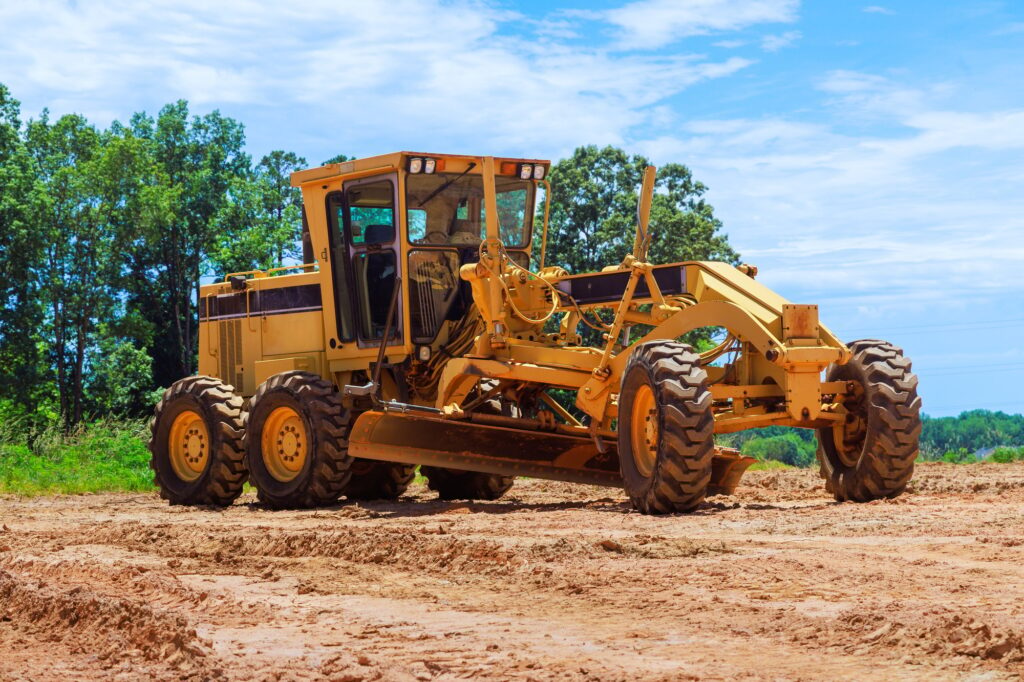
(453, 484)
(666, 428)
(456, 484)
(297, 441)
(377, 480)
(871, 454)
(196, 443)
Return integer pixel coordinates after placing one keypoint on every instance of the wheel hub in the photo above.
(189, 445)
(284, 444)
(644, 430)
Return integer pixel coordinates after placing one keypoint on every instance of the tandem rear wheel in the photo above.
(296, 444)
(197, 443)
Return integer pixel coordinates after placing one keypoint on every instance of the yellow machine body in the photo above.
(512, 334)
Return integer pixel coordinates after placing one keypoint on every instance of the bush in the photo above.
(788, 448)
(100, 457)
(958, 456)
(1007, 455)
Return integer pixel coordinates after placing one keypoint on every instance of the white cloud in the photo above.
(926, 215)
(774, 43)
(730, 44)
(653, 23)
(369, 75)
(878, 9)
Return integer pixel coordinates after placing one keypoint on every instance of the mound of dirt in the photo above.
(98, 625)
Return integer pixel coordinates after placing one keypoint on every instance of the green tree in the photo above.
(21, 315)
(594, 196)
(260, 224)
(337, 158)
(120, 379)
(198, 159)
(788, 448)
(94, 203)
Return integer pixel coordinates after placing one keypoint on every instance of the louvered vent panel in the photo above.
(231, 352)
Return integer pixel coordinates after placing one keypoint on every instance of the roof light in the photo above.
(415, 164)
(525, 171)
(538, 172)
(428, 165)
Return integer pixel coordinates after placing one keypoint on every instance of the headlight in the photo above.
(428, 165)
(424, 353)
(538, 172)
(415, 164)
(525, 171)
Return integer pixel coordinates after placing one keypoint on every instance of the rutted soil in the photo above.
(555, 581)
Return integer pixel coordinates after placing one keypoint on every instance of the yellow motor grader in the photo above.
(416, 334)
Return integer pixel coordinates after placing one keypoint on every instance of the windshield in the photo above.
(455, 215)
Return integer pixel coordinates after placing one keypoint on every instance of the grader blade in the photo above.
(455, 444)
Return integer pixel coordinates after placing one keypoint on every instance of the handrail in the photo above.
(303, 266)
(256, 274)
(261, 274)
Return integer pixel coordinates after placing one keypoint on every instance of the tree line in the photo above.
(106, 234)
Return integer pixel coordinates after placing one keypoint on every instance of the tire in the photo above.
(297, 441)
(873, 455)
(377, 480)
(665, 383)
(196, 441)
(453, 484)
(457, 484)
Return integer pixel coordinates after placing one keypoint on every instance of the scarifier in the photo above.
(416, 334)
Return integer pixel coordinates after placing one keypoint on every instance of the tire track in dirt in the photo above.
(557, 582)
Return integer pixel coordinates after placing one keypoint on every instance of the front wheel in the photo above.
(871, 454)
(666, 428)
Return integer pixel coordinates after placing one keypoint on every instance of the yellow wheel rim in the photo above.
(189, 445)
(643, 426)
(284, 444)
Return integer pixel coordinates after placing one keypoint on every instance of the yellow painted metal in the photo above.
(188, 444)
(644, 436)
(284, 444)
(544, 232)
(643, 238)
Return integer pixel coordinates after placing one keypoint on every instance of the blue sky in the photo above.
(867, 157)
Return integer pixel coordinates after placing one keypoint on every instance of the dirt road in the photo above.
(556, 581)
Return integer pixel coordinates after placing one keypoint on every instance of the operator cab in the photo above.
(446, 220)
(417, 217)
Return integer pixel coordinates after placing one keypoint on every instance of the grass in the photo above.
(769, 465)
(105, 456)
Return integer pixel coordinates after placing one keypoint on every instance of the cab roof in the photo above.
(393, 160)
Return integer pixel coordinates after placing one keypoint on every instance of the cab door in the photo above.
(370, 221)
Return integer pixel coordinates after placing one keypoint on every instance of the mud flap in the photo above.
(456, 444)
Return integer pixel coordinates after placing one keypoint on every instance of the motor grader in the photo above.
(416, 333)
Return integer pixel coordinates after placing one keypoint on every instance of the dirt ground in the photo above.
(556, 581)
